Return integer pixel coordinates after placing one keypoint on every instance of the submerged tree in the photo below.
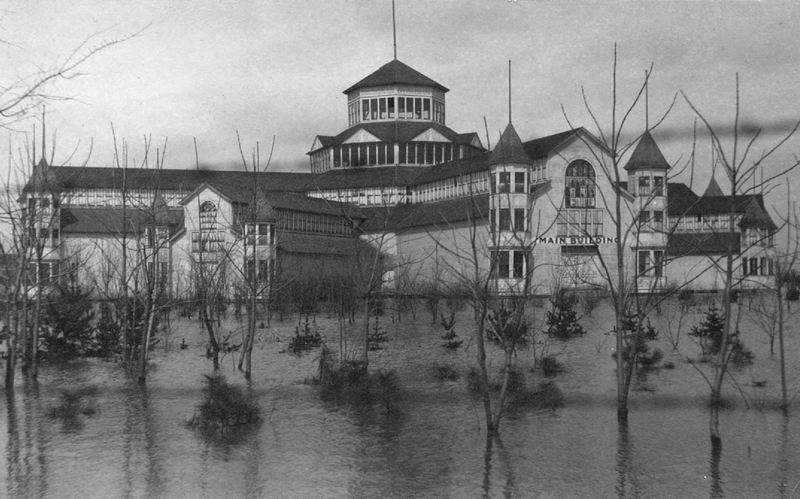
(740, 168)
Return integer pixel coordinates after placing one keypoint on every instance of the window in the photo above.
(504, 182)
(505, 219)
(658, 263)
(644, 220)
(519, 220)
(262, 274)
(208, 216)
(519, 182)
(644, 263)
(658, 220)
(259, 234)
(658, 185)
(580, 223)
(509, 264)
(644, 186)
(579, 185)
(650, 263)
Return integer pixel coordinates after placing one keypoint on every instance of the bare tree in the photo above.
(740, 166)
(620, 210)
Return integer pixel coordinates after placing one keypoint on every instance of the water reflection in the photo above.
(714, 474)
(627, 476)
(509, 487)
(784, 456)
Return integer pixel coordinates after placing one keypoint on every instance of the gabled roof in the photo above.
(509, 149)
(395, 72)
(647, 155)
(701, 243)
(544, 146)
(394, 131)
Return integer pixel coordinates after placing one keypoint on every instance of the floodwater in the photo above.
(135, 441)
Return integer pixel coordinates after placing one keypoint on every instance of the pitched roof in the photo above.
(394, 131)
(104, 220)
(68, 177)
(543, 146)
(298, 202)
(395, 72)
(713, 188)
(450, 169)
(315, 244)
(367, 176)
(681, 198)
(509, 149)
(647, 155)
(439, 214)
(701, 243)
(756, 216)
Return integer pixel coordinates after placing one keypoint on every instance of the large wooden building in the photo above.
(526, 216)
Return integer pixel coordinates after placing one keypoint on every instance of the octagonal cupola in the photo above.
(396, 91)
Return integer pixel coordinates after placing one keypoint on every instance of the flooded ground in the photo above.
(134, 441)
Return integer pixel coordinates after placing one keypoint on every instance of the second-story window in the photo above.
(579, 185)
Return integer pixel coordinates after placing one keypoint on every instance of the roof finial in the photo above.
(646, 100)
(44, 135)
(394, 32)
(509, 91)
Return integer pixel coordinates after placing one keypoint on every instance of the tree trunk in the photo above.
(212, 339)
(37, 313)
(784, 398)
(366, 331)
(145, 349)
(11, 359)
(491, 428)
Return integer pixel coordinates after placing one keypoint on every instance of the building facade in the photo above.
(525, 217)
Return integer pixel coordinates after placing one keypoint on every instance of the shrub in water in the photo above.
(561, 319)
(73, 403)
(376, 338)
(349, 381)
(709, 333)
(445, 372)
(551, 366)
(636, 349)
(507, 327)
(450, 337)
(305, 338)
(224, 406)
(69, 315)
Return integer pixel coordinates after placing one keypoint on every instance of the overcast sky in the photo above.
(206, 68)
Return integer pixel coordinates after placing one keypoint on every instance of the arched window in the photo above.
(579, 185)
(208, 216)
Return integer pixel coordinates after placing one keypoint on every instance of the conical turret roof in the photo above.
(755, 216)
(42, 178)
(713, 188)
(160, 210)
(647, 155)
(509, 149)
